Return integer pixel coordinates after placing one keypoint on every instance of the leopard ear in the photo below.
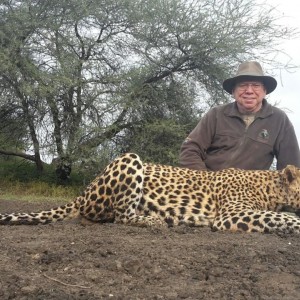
(290, 173)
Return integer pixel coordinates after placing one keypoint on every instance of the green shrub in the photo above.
(20, 179)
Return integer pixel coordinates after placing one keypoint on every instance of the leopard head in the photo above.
(291, 180)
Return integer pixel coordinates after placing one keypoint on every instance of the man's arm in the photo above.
(287, 148)
(193, 150)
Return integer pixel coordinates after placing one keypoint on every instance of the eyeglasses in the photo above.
(243, 86)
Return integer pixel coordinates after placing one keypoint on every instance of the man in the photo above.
(245, 134)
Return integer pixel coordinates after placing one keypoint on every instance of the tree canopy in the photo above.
(89, 78)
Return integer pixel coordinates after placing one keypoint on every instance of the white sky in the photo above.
(287, 92)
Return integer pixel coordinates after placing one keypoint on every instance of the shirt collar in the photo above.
(265, 111)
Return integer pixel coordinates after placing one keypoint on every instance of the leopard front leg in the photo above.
(257, 221)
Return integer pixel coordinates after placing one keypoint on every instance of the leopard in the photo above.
(131, 192)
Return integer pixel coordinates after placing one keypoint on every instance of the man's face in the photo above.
(249, 95)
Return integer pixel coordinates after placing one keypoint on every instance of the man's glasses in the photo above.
(243, 86)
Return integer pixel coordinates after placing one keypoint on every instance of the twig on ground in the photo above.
(67, 284)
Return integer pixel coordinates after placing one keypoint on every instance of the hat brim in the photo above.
(269, 82)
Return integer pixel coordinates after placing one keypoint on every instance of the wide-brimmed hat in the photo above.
(251, 70)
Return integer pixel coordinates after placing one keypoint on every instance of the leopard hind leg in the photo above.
(115, 195)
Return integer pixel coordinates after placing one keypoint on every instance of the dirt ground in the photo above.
(69, 260)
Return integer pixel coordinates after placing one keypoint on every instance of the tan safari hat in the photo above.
(251, 70)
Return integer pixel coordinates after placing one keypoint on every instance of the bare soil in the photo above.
(69, 260)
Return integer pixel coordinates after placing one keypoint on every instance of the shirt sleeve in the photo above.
(193, 150)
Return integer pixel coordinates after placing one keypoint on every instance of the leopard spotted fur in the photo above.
(135, 193)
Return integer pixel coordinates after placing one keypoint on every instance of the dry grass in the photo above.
(36, 191)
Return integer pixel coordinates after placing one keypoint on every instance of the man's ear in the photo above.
(290, 173)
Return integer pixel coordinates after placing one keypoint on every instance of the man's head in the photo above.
(250, 86)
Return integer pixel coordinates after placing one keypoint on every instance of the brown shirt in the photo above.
(223, 140)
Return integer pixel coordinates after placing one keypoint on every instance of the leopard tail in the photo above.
(68, 211)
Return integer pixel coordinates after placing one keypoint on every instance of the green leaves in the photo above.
(107, 74)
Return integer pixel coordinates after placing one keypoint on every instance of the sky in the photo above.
(287, 93)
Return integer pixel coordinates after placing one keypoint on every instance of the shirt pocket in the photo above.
(262, 137)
